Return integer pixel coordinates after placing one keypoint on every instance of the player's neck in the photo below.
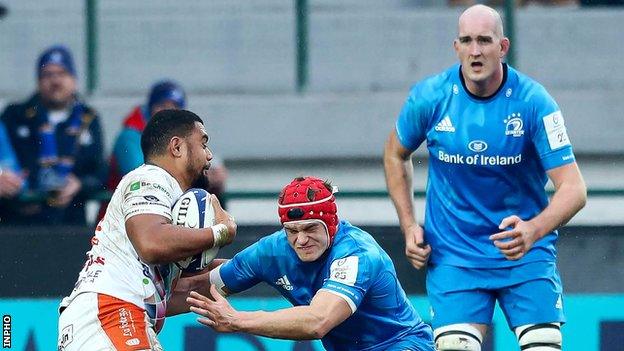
(170, 167)
(488, 87)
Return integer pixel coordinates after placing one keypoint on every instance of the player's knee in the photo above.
(456, 337)
(539, 337)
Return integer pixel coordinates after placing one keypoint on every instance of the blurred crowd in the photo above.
(52, 159)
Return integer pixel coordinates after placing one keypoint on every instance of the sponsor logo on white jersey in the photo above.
(445, 125)
(514, 125)
(284, 283)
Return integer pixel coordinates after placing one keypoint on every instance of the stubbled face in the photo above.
(165, 105)
(308, 238)
(480, 49)
(199, 155)
(56, 86)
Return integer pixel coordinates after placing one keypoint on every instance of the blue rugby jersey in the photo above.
(355, 268)
(487, 160)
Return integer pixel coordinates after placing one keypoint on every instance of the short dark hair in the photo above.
(163, 126)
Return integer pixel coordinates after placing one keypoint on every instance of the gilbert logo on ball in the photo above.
(194, 210)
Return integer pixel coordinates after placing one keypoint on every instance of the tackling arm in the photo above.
(326, 311)
(199, 282)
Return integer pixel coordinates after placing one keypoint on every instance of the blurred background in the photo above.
(313, 87)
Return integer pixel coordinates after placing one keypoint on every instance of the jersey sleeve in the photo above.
(411, 125)
(148, 194)
(549, 134)
(242, 272)
(350, 278)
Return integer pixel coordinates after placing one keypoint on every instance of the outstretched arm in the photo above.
(569, 197)
(326, 311)
(196, 282)
(399, 174)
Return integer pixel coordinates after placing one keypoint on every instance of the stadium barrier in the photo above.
(595, 323)
(40, 265)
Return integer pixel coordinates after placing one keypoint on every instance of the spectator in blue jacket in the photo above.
(57, 139)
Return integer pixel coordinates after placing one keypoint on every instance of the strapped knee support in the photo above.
(458, 337)
(539, 337)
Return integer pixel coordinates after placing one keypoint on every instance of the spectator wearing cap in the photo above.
(57, 139)
(127, 154)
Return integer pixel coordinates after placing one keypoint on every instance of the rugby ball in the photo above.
(194, 210)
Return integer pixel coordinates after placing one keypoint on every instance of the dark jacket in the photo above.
(90, 165)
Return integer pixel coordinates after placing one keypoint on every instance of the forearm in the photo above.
(399, 176)
(567, 200)
(177, 302)
(175, 242)
(158, 241)
(297, 323)
(198, 282)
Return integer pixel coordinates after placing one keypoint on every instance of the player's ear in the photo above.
(176, 146)
(504, 44)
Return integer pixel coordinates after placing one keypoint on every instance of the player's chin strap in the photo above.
(539, 337)
(458, 337)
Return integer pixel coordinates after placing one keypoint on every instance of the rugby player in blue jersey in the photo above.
(494, 138)
(342, 284)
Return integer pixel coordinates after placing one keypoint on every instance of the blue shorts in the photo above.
(527, 294)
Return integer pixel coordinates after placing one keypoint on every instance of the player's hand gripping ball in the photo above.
(194, 210)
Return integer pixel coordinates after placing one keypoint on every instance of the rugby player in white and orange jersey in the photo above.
(119, 300)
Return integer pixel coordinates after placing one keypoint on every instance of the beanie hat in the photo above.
(57, 55)
(308, 198)
(167, 90)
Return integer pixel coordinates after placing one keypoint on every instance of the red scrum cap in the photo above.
(308, 198)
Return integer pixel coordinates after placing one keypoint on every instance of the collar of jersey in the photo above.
(483, 98)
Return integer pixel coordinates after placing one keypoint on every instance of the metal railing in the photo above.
(347, 194)
(301, 14)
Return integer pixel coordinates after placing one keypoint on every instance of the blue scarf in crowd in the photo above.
(57, 155)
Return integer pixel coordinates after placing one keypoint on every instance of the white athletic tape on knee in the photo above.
(457, 337)
(539, 337)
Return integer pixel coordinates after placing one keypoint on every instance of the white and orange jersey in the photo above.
(113, 266)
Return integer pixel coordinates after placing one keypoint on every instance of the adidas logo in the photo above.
(284, 283)
(445, 125)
